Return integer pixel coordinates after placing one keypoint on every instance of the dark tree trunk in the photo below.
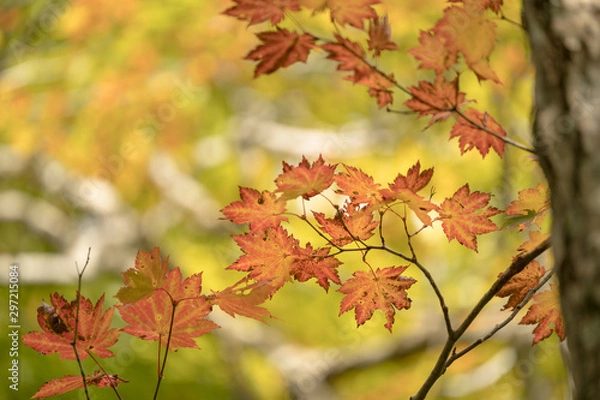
(565, 45)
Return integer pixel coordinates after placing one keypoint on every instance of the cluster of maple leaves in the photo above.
(159, 304)
(463, 38)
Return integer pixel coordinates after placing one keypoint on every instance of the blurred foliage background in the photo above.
(126, 125)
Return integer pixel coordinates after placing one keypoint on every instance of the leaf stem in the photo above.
(164, 362)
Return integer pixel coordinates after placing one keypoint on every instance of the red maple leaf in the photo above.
(281, 49)
(243, 298)
(151, 318)
(256, 11)
(519, 285)
(316, 263)
(58, 322)
(465, 215)
(350, 55)
(545, 312)
(268, 255)
(414, 180)
(260, 210)
(360, 187)
(67, 383)
(306, 180)
(384, 289)
(438, 99)
(473, 136)
(148, 274)
(531, 207)
(380, 36)
(350, 224)
(352, 12)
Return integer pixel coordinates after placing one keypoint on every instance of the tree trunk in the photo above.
(565, 46)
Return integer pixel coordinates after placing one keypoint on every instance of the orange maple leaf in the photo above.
(438, 99)
(257, 11)
(433, 53)
(58, 322)
(352, 12)
(462, 30)
(148, 274)
(519, 285)
(306, 180)
(243, 298)
(268, 255)
(260, 210)
(360, 187)
(384, 289)
(531, 207)
(67, 383)
(380, 36)
(281, 49)
(472, 136)
(405, 188)
(350, 55)
(316, 263)
(535, 238)
(151, 318)
(465, 215)
(545, 312)
(350, 224)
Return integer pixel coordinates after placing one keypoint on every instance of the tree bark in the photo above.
(565, 45)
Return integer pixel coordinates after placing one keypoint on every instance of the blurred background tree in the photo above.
(126, 125)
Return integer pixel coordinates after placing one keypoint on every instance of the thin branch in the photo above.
(518, 264)
(455, 356)
(75, 333)
(113, 385)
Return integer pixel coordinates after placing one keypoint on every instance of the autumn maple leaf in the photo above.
(306, 180)
(519, 285)
(67, 383)
(384, 289)
(438, 99)
(316, 263)
(405, 188)
(148, 274)
(352, 12)
(535, 238)
(243, 298)
(349, 225)
(545, 312)
(531, 207)
(281, 49)
(58, 321)
(359, 187)
(432, 53)
(380, 36)
(268, 255)
(465, 215)
(178, 304)
(260, 210)
(473, 136)
(256, 11)
(350, 55)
